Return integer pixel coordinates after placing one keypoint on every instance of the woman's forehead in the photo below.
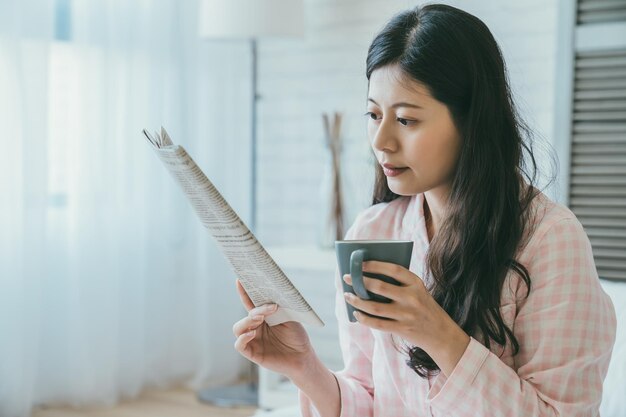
(391, 82)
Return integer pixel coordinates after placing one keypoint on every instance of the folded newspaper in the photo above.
(260, 276)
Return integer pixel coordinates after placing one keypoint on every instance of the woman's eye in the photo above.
(403, 122)
(370, 115)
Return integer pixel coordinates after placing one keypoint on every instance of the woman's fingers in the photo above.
(245, 299)
(372, 307)
(241, 344)
(379, 287)
(247, 323)
(398, 272)
(254, 319)
(245, 329)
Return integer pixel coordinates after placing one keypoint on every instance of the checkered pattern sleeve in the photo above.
(566, 330)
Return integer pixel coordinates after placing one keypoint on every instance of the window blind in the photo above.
(595, 11)
(597, 192)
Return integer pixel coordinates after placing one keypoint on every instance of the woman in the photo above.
(501, 312)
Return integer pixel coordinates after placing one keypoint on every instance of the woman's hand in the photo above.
(413, 314)
(284, 348)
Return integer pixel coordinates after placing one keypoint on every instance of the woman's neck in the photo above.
(434, 205)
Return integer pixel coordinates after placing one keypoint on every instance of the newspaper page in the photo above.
(260, 276)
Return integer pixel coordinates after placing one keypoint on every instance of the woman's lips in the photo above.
(392, 172)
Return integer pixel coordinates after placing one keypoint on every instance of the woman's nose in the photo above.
(384, 138)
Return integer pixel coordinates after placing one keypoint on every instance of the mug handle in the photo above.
(356, 273)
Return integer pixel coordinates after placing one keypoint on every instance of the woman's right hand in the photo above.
(284, 348)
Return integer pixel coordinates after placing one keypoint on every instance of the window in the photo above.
(597, 158)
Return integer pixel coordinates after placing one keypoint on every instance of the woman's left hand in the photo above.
(413, 314)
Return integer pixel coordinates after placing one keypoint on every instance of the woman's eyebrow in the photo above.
(401, 104)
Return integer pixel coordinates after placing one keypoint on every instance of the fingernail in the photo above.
(271, 307)
(257, 318)
(250, 333)
(347, 295)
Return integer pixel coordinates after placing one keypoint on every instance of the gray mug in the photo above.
(352, 253)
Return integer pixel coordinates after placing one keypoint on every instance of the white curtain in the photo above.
(108, 282)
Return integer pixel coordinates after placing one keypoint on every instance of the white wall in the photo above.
(325, 72)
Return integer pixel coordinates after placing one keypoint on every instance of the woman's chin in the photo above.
(403, 191)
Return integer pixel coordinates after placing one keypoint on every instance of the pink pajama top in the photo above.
(565, 329)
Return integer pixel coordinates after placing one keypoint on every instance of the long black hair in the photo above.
(454, 55)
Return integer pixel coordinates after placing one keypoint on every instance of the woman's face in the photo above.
(409, 129)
